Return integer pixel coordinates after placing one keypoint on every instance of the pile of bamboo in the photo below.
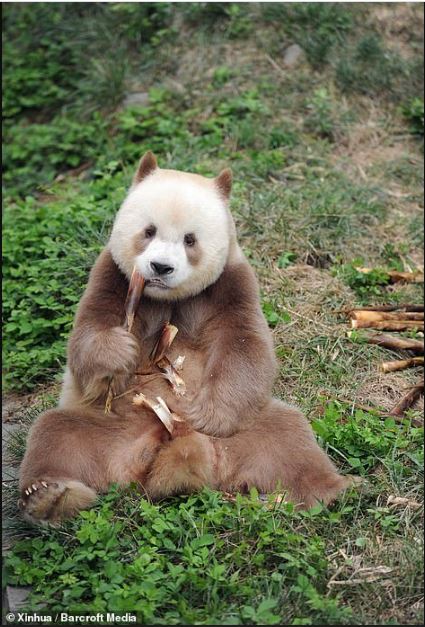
(395, 318)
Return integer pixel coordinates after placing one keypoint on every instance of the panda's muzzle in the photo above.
(161, 269)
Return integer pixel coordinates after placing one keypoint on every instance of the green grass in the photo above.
(327, 163)
(205, 560)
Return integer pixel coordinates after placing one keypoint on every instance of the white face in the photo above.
(175, 228)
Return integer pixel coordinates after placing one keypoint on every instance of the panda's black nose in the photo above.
(161, 268)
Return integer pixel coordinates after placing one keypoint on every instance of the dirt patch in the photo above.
(385, 390)
(12, 404)
(400, 25)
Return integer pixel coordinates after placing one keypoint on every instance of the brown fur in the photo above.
(140, 243)
(235, 435)
(194, 254)
(146, 166)
(224, 182)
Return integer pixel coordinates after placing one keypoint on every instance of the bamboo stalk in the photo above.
(159, 358)
(168, 333)
(402, 364)
(388, 325)
(160, 409)
(134, 294)
(408, 307)
(366, 315)
(396, 343)
(409, 399)
(406, 277)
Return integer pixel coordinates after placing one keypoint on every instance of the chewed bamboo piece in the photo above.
(159, 408)
(169, 332)
(134, 294)
(159, 358)
(170, 373)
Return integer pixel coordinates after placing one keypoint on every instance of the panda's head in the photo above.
(175, 228)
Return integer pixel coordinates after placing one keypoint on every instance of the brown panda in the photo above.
(176, 229)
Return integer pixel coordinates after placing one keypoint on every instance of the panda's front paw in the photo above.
(118, 352)
(109, 359)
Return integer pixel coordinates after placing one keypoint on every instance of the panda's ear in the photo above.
(147, 165)
(224, 182)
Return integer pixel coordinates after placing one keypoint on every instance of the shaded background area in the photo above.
(318, 109)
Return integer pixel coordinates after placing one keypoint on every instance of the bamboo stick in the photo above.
(388, 325)
(159, 408)
(409, 399)
(401, 364)
(364, 314)
(406, 277)
(408, 307)
(396, 343)
(159, 358)
(134, 294)
(168, 333)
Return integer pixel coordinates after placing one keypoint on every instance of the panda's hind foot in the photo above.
(49, 502)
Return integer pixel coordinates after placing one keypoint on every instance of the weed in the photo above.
(371, 68)
(414, 113)
(166, 581)
(286, 259)
(318, 28)
(33, 155)
(360, 441)
(366, 285)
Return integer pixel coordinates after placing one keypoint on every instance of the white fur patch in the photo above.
(176, 204)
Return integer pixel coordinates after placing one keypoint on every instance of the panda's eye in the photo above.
(189, 239)
(150, 231)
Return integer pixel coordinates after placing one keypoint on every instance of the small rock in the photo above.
(139, 99)
(293, 55)
(16, 597)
